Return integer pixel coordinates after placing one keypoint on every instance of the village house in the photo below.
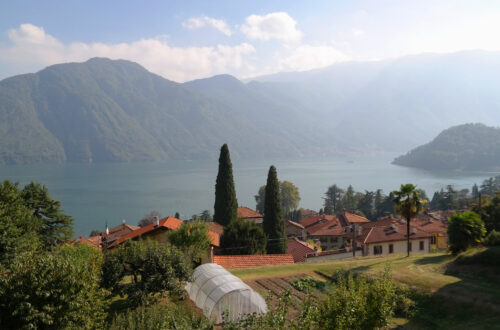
(299, 249)
(295, 229)
(248, 214)
(158, 231)
(426, 222)
(106, 237)
(331, 230)
(392, 239)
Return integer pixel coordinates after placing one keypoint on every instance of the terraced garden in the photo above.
(450, 293)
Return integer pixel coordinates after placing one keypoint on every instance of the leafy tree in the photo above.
(491, 214)
(333, 199)
(490, 186)
(365, 204)
(387, 206)
(56, 226)
(464, 230)
(206, 216)
(492, 239)
(273, 224)
(349, 201)
(475, 191)
(449, 201)
(18, 226)
(408, 204)
(153, 267)
(290, 197)
(56, 290)
(192, 239)
(243, 237)
(226, 204)
(177, 215)
(378, 199)
(149, 218)
(94, 232)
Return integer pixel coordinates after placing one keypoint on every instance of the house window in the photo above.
(391, 248)
(377, 249)
(421, 245)
(409, 246)
(433, 239)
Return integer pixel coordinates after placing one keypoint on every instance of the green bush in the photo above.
(492, 239)
(352, 303)
(465, 229)
(358, 303)
(56, 290)
(156, 317)
(307, 284)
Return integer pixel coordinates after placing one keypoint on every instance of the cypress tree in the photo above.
(226, 205)
(273, 225)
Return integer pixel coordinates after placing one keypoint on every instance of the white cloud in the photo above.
(308, 57)
(200, 22)
(272, 26)
(32, 48)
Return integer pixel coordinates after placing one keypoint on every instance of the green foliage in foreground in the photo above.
(152, 267)
(351, 303)
(307, 284)
(243, 237)
(465, 229)
(56, 290)
(159, 317)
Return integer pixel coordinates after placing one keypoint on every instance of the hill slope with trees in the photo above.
(463, 147)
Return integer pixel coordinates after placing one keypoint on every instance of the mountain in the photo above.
(394, 105)
(106, 110)
(115, 110)
(464, 147)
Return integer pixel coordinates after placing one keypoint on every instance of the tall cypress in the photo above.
(226, 205)
(274, 226)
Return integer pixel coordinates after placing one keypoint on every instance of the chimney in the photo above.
(157, 221)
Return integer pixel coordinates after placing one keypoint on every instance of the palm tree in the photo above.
(408, 204)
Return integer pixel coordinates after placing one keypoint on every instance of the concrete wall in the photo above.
(293, 231)
(399, 247)
(329, 242)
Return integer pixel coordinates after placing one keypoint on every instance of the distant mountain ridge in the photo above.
(105, 110)
(465, 147)
(115, 110)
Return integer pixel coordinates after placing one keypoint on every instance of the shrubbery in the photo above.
(492, 239)
(352, 302)
(465, 229)
(56, 290)
(156, 317)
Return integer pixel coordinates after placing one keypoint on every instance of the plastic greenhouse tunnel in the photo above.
(216, 291)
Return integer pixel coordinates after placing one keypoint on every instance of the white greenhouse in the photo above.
(217, 291)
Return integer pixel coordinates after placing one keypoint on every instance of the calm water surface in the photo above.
(96, 193)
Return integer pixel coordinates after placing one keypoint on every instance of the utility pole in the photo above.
(353, 239)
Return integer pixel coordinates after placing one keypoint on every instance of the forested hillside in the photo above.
(463, 147)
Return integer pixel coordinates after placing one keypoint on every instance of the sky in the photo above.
(186, 40)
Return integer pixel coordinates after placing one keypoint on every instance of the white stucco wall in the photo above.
(399, 247)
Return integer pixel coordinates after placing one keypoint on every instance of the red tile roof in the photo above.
(299, 249)
(293, 223)
(328, 225)
(215, 227)
(169, 223)
(394, 232)
(95, 241)
(308, 213)
(255, 260)
(354, 218)
(245, 212)
(306, 222)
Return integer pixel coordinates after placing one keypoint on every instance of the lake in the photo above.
(111, 192)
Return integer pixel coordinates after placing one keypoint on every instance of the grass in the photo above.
(450, 292)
